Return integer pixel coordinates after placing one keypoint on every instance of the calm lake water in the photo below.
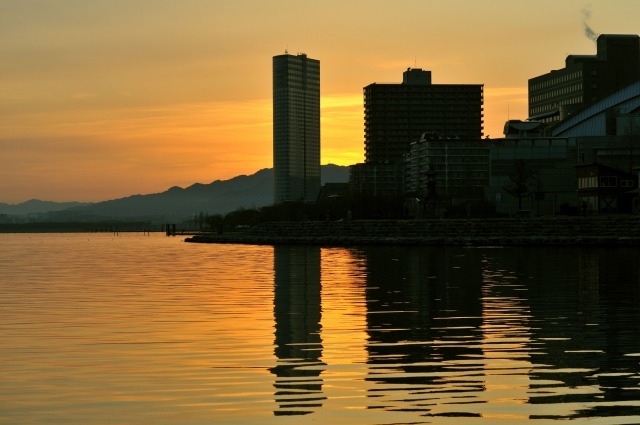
(135, 329)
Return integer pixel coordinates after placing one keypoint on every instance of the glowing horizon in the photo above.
(101, 100)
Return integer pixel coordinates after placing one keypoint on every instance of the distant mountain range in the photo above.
(218, 197)
(36, 206)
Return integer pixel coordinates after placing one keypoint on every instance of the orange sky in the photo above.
(108, 98)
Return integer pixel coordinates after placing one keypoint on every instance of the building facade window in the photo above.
(608, 181)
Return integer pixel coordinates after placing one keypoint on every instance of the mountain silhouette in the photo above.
(176, 203)
(36, 206)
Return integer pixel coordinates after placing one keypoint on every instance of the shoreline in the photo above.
(552, 231)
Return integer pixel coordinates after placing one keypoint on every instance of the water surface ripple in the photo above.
(136, 329)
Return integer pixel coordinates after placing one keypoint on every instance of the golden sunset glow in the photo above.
(343, 307)
(105, 99)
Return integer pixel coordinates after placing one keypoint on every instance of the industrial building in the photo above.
(585, 79)
(606, 133)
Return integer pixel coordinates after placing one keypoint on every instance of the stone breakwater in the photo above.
(579, 231)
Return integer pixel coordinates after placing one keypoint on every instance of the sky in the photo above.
(103, 99)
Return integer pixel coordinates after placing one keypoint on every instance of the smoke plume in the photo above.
(588, 31)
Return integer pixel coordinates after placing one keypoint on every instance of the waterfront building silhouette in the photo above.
(585, 79)
(397, 114)
(296, 128)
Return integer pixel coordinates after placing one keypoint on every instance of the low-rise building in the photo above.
(376, 179)
(460, 167)
(605, 190)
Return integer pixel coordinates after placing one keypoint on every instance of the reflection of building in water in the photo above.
(423, 318)
(298, 344)
(618, 372)
(584, 312)
(541, 333)
(564, 300)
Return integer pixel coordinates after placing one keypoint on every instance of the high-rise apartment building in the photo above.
(296, 128)
(397, 114)
(585, 79)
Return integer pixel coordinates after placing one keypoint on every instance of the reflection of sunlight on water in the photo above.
(505, 346)
(343, 323)
(149, 330)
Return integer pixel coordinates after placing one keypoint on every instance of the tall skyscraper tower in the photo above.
(296, 128)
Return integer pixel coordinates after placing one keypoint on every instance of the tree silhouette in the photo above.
(520, 181)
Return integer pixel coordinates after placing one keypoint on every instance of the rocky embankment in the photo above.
(507, 231)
